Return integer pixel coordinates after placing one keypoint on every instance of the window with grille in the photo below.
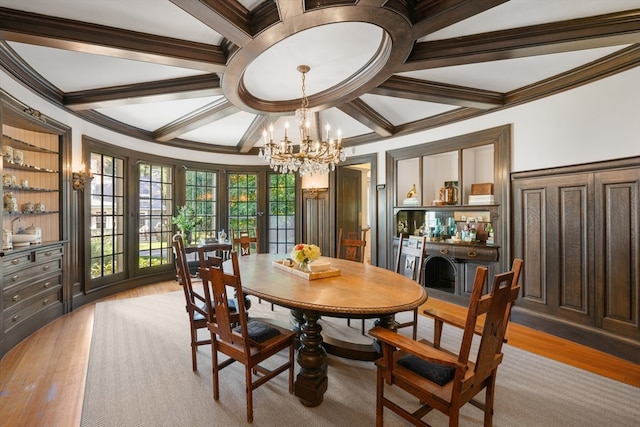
(155, 209)
(201, 196)
(243, 203)
(282, 204)
(107, 216)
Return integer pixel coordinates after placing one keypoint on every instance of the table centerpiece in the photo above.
(303, 254)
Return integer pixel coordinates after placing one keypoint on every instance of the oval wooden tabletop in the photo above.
(360, 289)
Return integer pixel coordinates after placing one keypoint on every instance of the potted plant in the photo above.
(187, 221)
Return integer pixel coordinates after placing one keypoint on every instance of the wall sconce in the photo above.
(80, 178)
(315, 183)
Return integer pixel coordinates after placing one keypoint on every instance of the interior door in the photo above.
(349, 199)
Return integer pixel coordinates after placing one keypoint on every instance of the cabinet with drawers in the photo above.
(35, 221)
(32, 286)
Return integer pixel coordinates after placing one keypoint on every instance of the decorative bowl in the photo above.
(23, 239)
(318, 266)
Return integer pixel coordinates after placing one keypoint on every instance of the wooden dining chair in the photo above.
(351, 248)
(227, 264)
(196, 305)
(410, 263)
(440, 317)
(250, 343)
(244, 242)
(441, 379)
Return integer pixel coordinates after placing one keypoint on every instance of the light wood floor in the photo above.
(42, 379)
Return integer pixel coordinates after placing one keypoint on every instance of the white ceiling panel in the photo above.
(92, 71)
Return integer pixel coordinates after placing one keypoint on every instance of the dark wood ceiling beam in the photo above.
(610, 65)
(79, 36)
(585, 33)
(13, 64)
(165, 90)
(253, 133)
(433, 16)
(443, 119)
(422, 90)
(366, 115)
(289, 8)
(372, 3)
(230, 18)
(208, 114)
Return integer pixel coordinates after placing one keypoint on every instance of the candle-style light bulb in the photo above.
(339, 136)
(328, 127)
(271, 131)
(286, 129)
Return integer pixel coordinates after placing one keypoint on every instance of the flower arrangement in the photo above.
(304, 254)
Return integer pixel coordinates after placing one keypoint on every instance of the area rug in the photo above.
(139, 374)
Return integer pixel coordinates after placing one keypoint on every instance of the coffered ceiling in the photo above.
(211, 75)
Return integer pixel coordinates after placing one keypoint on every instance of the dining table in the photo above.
(356, 290)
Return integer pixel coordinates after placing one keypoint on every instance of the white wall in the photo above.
(600, 121)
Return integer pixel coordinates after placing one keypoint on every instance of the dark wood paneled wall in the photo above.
(578, 230)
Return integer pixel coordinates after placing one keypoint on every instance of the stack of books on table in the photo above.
(481, 199)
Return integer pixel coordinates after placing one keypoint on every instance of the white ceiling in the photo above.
(334, 52)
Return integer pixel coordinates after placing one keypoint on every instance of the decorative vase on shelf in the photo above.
(186, 236)
(222, 236)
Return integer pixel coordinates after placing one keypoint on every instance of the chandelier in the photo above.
(311, 156)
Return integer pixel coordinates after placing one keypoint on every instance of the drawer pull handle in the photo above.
(45, 301)
(15, 261)
(47, 284)
(472, 254)
(444, 251)
(15, 318)
(48, 253)
(16, 297)
(16, 277)
(46, 267)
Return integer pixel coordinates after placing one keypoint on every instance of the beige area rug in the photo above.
(140, 375)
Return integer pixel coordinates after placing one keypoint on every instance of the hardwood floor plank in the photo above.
(42, 379)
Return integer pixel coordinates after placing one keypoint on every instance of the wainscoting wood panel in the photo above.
(574, 269)
(533, 222)
(316, 225)
(617, 202)
(578, 230)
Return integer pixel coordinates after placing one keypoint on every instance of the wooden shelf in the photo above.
(31, 189)
(16, 143)
(10, 165)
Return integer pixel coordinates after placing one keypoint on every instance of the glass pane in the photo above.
(408, 177)
(438, 169)
(107, 214)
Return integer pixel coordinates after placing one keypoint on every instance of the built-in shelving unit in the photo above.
(431, 195)
(35, 275)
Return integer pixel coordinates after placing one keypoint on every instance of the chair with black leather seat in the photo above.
(440, 379)
(250, 343)
(410, 263)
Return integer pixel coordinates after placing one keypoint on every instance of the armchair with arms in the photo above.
(440, 379)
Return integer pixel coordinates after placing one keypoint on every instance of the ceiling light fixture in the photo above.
(312, 156)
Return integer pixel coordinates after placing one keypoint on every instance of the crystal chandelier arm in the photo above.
(319, 156)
